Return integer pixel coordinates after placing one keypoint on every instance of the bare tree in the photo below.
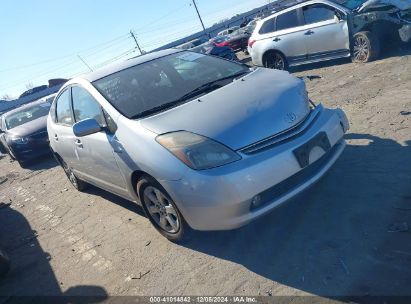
(7, 97)
(29, 85)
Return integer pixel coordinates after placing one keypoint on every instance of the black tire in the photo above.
(74, 180)
(366, 47)
(4, 263)
(22, 164)
(275, 60)
(145, 185)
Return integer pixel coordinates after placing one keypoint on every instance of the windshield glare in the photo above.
(152, 84)
(25, 115)
(352, 4)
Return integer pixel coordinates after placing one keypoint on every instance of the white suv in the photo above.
(319, 30)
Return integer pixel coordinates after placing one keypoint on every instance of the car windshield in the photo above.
(352, 4)
(25, 115)
(156, 85)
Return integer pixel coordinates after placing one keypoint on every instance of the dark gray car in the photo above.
(23, 131)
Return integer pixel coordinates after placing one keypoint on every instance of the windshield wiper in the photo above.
(205, 87)
(156, 109)
(197, 91)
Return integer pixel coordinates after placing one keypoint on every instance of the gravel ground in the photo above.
(348, 235)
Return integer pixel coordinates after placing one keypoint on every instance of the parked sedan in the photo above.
(214, 50)
(238, 40)
(228, 31)
(23, 131)
(198, 141)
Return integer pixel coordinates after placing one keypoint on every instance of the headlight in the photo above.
(20, 140)
(196, 151)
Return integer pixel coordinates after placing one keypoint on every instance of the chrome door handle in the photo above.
(78, 143)
(276, 39)
(309, 32)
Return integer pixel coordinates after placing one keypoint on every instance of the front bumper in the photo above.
(220, 198)
(30, 151)
(255, 56)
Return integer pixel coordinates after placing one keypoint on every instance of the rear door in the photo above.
(326, 32)
(285, 33)
(62, 136)
(95, 152)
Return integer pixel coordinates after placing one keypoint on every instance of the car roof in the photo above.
(282, 5)
(113, 68)
(25, 106)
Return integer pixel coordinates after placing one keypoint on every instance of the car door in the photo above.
(95, 154)
(3, 144)
(62, 137)
(285, 33)
(326, 32)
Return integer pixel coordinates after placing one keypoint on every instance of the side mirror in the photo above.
(86, 127)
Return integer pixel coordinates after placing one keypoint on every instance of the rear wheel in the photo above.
(76, 182)
(275, 60)
(161, 210)
(366, 47)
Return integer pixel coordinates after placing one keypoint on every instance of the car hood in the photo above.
(400, 4)
(254, 107)
(29, 128)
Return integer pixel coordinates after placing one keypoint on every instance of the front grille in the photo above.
(39, 135)
(287, 135)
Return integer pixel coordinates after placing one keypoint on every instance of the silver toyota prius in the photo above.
(200, 142)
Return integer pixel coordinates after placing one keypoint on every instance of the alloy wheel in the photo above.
(161, 210)
(276, 62)
(70, 175)
(361, 49)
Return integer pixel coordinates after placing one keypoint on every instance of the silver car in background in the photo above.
(200, 142)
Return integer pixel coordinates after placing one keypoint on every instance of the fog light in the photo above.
(256, 202)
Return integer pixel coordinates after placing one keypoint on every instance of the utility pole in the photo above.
(91, 70)
(135, 39)
(199, 17)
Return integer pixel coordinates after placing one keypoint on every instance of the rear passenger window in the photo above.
(85, 106)
(287, 20)
(267, 27)
(63, 110)
(317, 13)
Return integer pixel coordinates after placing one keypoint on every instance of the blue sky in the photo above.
(42, 39)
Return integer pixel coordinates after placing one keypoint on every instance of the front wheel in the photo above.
(275, 60)
(366, 47)
(161, 211)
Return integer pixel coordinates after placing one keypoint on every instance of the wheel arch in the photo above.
(136, 176)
